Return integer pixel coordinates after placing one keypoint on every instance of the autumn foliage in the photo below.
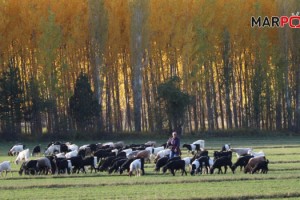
(239, 77)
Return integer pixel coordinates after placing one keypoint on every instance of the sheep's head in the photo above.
(164, 169)
(233, 167)
(192, 172)
(130, 173)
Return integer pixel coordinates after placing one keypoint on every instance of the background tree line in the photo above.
(126, 59)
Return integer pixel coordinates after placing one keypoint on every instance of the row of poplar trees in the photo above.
(97, 66)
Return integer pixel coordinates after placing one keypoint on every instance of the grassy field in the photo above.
(282, 181)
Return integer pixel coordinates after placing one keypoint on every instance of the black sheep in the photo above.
(160, 163)
(199, 154)
(103, 153)
(89, 161)
(62, 165)
(175, 165)
(116, 166)
(242, 162)
(126, 165)
(192, 147)
(221, 162)
(44, 165)
(28, 167)
(36, 150)
(219, 154)
(107, 162)
(76, 163)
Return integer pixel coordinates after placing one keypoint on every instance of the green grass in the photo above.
(281, 182)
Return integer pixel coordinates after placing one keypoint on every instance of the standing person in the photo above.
(174, 145)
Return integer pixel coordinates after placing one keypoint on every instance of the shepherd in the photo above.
(174, 144)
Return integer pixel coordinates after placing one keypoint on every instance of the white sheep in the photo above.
(23, 155)
(127, 151)
(161, 154)
(60, 155)
(201, 143)
(72, 147)
(71, 154)
(187, 161)
(256, 154)
(16, 149)
(135, 167)
(52, 149)
(5, 166)
(110, 144)
(240, 151)
(154, 151)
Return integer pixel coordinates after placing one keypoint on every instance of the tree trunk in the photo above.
(137, 43)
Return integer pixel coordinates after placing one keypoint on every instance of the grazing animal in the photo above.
(192, 147)
(198, 164)
(221, 162)
(116, 166)
(63, 165)
(23, 155)
(14, 150)
(199, 154)
(143, 154)
(201, 143)
(108, 144)
(160, 163)
(175, 165)
(103, 153)
(195, 167)
(44, 166)
(76, 163)
(60, 155)
(261, 166)
(256, 154)
(135, 167)
(161, 154)
(252, 163)
(154, 151)
(240, 151)
(89, 161)
(188, 161)
(126, 165)
(225, 147)
(28, 167)
(150, 144)
(119, 145)
(241, 162)
(127, 151)
(105, 165)
(36, 150)
(53, 149)
(219, 154)
(163, 161)
(132, 154)
(5, 166)
(71, 154)
(72, 147)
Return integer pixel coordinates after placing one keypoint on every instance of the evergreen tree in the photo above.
(175, 102)
(11, 112)
(83, 104)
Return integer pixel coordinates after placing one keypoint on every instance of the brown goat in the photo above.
(252, 163)
(144, 154)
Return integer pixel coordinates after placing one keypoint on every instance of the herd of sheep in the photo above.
(116, 157)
